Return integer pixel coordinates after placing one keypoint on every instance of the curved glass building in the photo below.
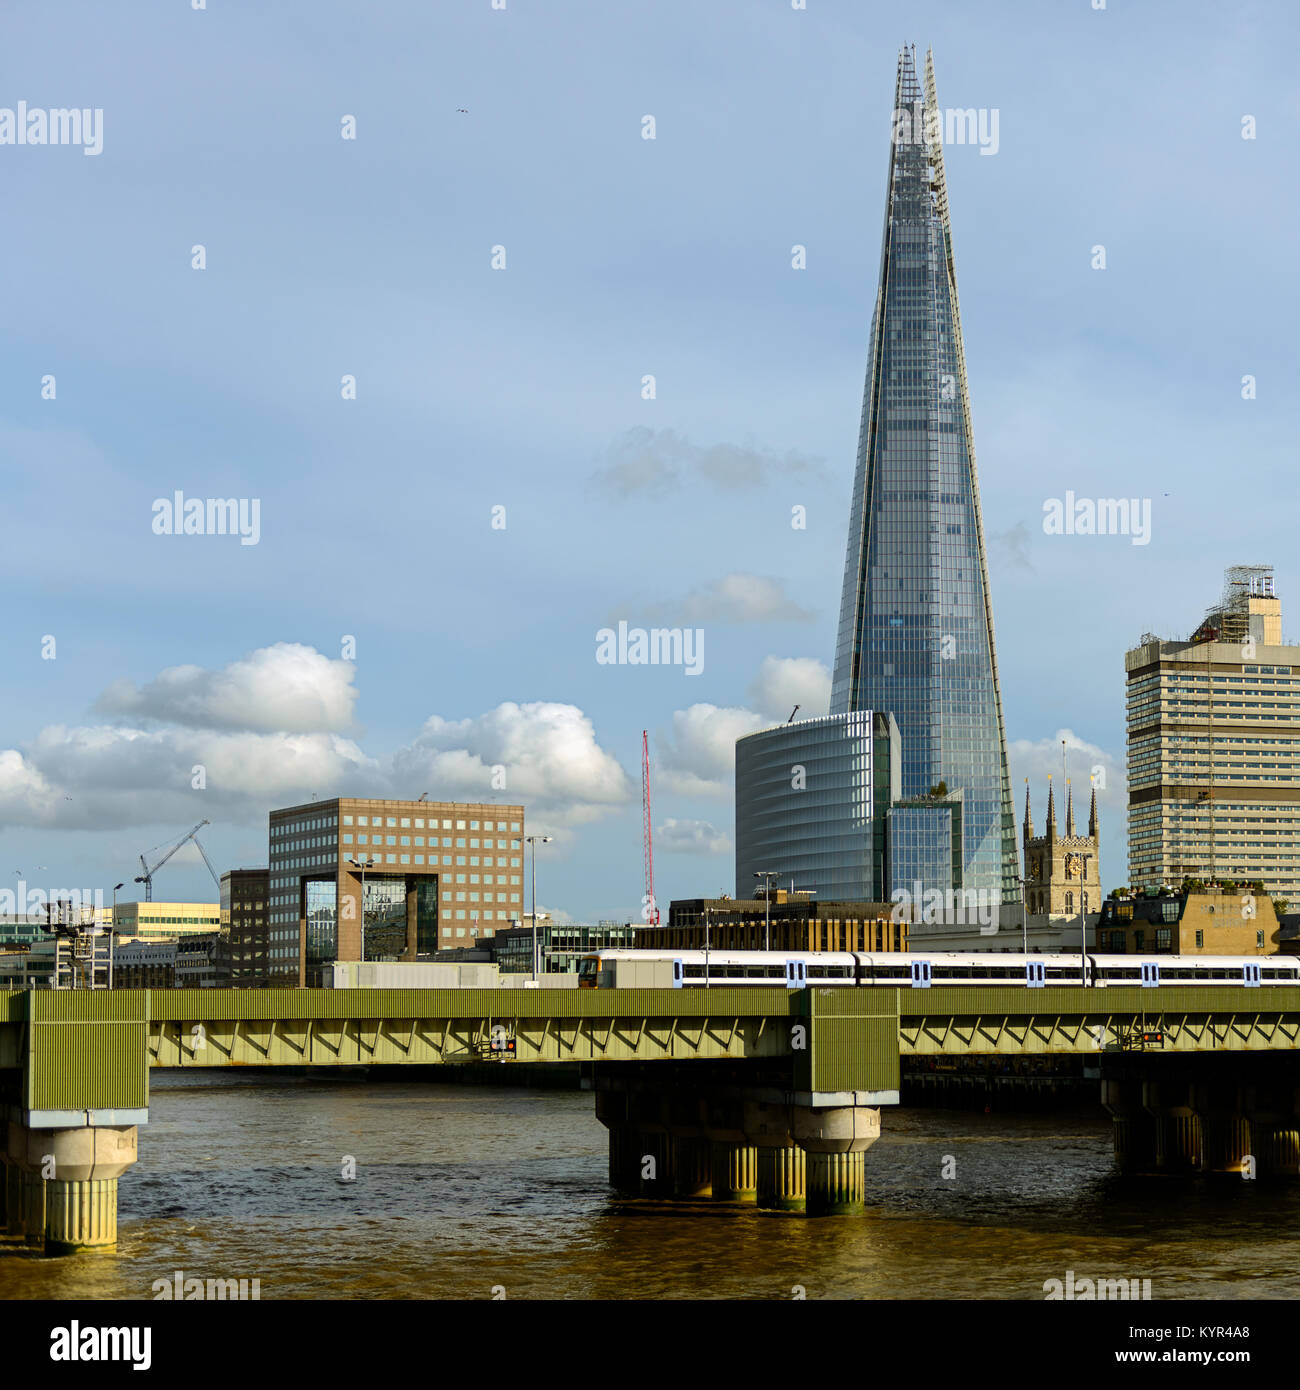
(916, 622)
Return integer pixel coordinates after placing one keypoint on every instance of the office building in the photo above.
(789, 922)
(560, 946)
(244, 894)
(812, 800)
(156, 920)
(434, 874)
(1214, 747)
(916, 619)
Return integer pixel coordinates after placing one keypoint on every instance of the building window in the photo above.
(1259, 940)
(1200, 940)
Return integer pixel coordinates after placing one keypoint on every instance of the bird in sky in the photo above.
(462, 110)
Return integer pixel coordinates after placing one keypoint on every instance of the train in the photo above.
(921, 970)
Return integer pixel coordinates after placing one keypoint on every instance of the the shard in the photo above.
(916, 621)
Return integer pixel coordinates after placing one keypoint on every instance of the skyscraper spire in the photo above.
(1051, 810)
(1069, 808)
(916, 620)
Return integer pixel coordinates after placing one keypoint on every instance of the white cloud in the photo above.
(783, 682)
(699, 758)
(1088, 763)
(110, 775)
(736, 598)
(692, 837)
(548, 756)
(288, 687)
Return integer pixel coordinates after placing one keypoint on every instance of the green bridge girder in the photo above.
(87, 1051)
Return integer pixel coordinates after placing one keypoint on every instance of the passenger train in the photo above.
(906, 970)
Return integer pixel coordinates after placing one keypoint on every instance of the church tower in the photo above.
(1062, 869)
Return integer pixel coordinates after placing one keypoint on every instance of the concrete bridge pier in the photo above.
(1179, 1140)
(781, 1167)
(1134, 1127)
(782, 1178)
(61, 1184)
(1272, 1109)
(835, 1140)
(733, 1158)
(1225, 1130)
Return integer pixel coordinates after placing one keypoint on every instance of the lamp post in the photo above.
(532, 840)
(1083, 919)
(1024, 908)
(706, 948)
(112, 932)
(767, 875)
(363, 865)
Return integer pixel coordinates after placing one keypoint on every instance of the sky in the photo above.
(397, 274)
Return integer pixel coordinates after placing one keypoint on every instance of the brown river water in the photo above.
(460, 1190)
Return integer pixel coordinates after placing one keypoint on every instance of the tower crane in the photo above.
(147, 877)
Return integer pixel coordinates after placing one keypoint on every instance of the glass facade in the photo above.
(916, 627)
(811, 805)
(925, 846)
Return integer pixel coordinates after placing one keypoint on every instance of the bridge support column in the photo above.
(835, 1141)
(782, 1179)
(1272, 1110)
(1225, 1130)
(1179, 1142)
(735, 1171)
(1134, 1127)
(68, 1183)
(692, 1167)
(655, 1162)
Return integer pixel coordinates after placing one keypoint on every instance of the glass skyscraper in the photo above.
(916, 622)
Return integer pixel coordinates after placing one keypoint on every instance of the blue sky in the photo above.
(522, 388)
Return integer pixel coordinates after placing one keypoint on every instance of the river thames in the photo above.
(460, 1191)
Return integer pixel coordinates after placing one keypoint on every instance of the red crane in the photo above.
(649, 908)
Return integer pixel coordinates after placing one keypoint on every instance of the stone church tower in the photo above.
(1063, 869)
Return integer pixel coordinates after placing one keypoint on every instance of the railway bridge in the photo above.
(759, 1093)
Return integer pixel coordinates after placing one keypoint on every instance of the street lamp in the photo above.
(1083, 920)
(363, 865)
(767, 875)
(112, 932)
(532, 840)
(1024, 907)
(706, 948)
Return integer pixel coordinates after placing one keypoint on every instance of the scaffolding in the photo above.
(1229, 619)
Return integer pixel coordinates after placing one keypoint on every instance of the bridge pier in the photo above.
(782, 1176)
(1179, 1143)
(1134, 1127)
(692, 1167)
(1225, 1130)
(835, 1140)
(735, 1171)
(1272, 1110)
(61, 1184)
